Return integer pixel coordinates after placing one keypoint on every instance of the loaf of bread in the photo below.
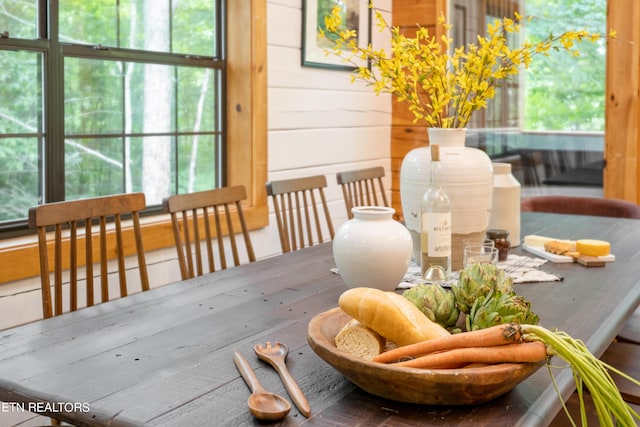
(390, 315)
(360, 341)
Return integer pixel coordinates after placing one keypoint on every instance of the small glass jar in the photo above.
(501, 240)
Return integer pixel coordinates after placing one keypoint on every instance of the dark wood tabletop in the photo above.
(165, 357)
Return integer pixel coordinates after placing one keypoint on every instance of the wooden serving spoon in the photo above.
(263, 404)
(275, 355)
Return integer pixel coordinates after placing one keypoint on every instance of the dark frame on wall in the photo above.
(313, 47)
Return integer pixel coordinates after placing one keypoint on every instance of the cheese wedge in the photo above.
(590, 247)
(535, 240)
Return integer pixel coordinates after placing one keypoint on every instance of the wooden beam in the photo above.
(622, 112)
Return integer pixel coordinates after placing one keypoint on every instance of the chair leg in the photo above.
(573, 406)
(631, 330)
(624, 357)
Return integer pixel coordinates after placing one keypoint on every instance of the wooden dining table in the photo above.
(165, 357)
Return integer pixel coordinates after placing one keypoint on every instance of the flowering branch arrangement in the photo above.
(443, 88)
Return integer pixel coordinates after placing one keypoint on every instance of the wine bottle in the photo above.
(435, 244)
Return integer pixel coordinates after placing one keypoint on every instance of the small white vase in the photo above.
(505, 213)
(372, 249)
(467, 179)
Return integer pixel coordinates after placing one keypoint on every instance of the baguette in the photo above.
(390, 315)
(360, 341)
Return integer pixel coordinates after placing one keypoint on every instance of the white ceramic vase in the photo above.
(372, 249)
(505, 213)
(467, 178)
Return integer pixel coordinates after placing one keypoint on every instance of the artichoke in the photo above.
(498, 308)
(479, 280)
(435, 302)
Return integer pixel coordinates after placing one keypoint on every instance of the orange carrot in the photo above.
(509, 353)
(495, 335)
(476, 365)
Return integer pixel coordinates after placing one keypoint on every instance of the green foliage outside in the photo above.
(128, 126)
(562, 92)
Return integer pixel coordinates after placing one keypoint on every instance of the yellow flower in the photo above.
(443, 86)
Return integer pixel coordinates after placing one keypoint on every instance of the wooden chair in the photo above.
(359, 188)
(575, 205)
(573, 406)
(296, 203)
(630, 332)
(90, 214)
(190, 212)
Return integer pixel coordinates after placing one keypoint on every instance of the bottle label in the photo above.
(439, 233)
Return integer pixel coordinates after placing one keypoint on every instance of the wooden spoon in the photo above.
(263, 405)
(275, 355)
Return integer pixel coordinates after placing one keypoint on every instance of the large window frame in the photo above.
(245, 143)
(112, 117)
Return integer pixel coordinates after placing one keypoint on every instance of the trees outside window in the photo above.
(549, 120)
(558, 92)
(105, 97)
(565, 93)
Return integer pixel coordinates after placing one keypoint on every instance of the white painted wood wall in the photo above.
(319, 123)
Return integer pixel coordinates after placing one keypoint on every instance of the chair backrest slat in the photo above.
(208, 237)
(206, 207)
(222, 252)
(142, 262)
(296, 205)
(58, 269)
(71, 214)
(234, 245)
(88, 237)
(122, 271)
(243, 226)
(73, 265)
(104, 271)
(359, 188)
(197, 238)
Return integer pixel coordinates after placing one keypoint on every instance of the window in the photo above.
(549, 122)
(245, 162)
(109, 96)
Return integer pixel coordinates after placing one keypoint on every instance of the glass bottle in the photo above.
(501, 240)
(435, 242)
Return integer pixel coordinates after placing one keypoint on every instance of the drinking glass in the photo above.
(480, 253)
(478, 241)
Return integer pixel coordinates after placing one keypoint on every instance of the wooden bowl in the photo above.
(466, 386)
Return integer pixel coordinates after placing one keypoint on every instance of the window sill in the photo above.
(22, 252)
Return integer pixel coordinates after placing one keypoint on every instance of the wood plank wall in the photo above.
(622, 112)
(406, 135)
